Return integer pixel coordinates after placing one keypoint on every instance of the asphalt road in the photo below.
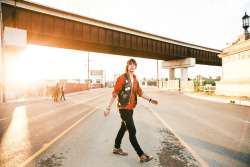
(75, 132)
(218, 132)
(27, 126)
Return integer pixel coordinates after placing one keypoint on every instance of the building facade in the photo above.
(235, 68)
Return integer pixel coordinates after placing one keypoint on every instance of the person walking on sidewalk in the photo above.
(62, 91)
(127, 88)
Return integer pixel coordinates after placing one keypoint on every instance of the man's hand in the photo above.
(155, 102)
(106, 112)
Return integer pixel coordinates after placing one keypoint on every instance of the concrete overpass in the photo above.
(56, 28)
(46, 26)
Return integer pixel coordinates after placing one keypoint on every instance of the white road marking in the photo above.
(189, 103)
(247, 122)
(47, 145)
(3, 119)
(202, 162)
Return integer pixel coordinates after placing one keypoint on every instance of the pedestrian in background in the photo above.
(62, 91)
(57, 91)
(126, 88)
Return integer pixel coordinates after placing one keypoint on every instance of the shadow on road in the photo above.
(223, 151)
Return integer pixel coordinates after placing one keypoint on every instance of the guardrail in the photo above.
(209, 89)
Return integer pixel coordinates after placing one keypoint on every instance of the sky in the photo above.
(210, 23)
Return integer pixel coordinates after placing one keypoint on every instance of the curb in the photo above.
(222, 100)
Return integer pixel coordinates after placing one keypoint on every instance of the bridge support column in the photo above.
(180, 63)
(184, 74)
(11, 73)
(171, 74)
(15, 42)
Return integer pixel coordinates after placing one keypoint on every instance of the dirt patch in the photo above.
(52, 161)
(172, 153)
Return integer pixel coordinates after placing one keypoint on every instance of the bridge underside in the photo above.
(53, 31)
(66, 43)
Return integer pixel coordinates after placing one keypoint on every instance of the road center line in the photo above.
(201, 161)
(189, 103)
(58, 137)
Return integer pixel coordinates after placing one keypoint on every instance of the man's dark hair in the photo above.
(130, 61)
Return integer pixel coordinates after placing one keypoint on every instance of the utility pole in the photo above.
(209, 72)
(88, 70)
(102, 73)
(157, 75)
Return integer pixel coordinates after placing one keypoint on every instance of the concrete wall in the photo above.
(15, 40)
(235, 70)
(98, 86)
(12, 72)
(233, 89)
(236, 66)
(172, 85)
(152, 83)
(187, 86)
(75, 87)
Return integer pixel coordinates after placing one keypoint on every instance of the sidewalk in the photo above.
(36, 98)
(218, 98)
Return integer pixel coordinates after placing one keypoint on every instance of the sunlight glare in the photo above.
(17, 131)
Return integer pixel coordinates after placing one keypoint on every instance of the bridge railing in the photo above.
(172, 85)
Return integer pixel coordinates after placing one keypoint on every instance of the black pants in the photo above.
(62, 96)
(128, 124)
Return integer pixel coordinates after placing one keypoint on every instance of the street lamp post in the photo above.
(245, 21)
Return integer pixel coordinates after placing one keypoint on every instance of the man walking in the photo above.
(62, 91)
(126, 88)
(56, 92)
